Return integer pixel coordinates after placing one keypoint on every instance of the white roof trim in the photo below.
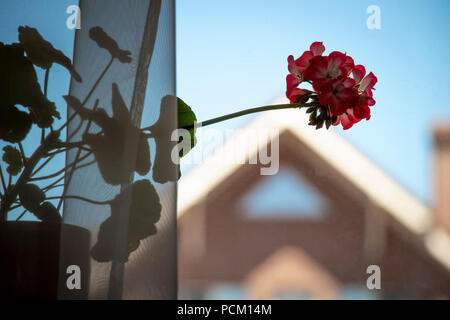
(437, 243)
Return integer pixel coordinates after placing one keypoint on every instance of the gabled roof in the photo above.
(380, 188)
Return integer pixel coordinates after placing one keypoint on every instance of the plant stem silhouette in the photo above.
(3, 180)
(69, 178)
(80, 198)
(11, 194)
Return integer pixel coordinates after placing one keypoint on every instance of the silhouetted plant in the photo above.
(111, 146)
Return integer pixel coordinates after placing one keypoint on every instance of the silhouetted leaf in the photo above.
(140, 202)
(31, 196)
(103, 40)
(42, 53)
(14, 124)
(12, 157)
(19, 85)
(113, 148)
(98, 116)
(47, 212)
(105, 248)
(164, 168)
(143, 156)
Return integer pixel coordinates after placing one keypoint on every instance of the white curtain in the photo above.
(146, 29)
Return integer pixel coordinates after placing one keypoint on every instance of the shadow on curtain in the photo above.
(125, 50)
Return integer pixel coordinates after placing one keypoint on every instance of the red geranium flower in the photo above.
(361, 110)
(293, 93)
(296, 69)
(339, 94)
(324, 69)
(347, 99)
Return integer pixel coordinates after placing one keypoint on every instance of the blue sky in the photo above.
(232, 55)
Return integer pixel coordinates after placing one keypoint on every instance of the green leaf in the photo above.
(31, 196)
(12, 157)
(186, 119)
(42, 53)
(14, 124)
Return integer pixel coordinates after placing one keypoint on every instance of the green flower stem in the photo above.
(241, 113)
(250, 111)
(238, 114)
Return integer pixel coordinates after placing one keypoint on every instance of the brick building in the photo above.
(312, 230)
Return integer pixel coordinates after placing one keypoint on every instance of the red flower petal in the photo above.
(317, 48)
(349, 83)
(317, 69)
(322, 85)
(291, 82)
(296, 94)
(304, 60)
(346, 121)
(362, 111)
(358, 73)
(336, 61)
(325, 98)
(292, 67)
(368, 82)
(348, 65)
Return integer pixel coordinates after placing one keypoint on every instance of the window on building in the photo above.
(284, 195)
